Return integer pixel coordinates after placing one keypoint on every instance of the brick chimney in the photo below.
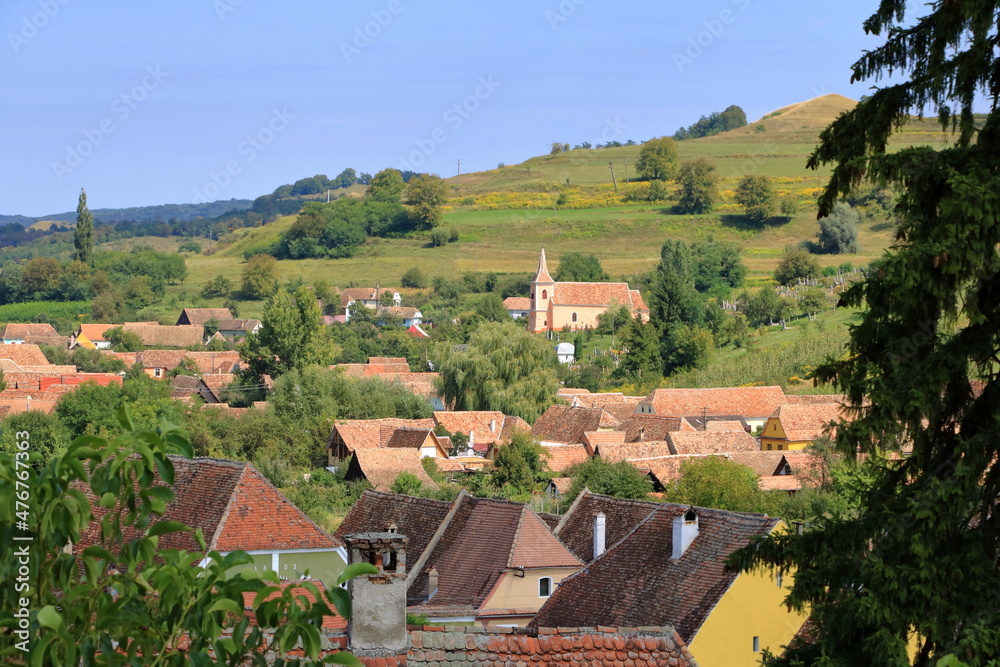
(377, 627)
(685, 532)
(599, 534)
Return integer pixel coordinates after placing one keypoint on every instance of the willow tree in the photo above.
(503, 368)
(918, 566)
(83, 238)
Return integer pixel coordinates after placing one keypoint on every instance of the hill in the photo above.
(183, 212)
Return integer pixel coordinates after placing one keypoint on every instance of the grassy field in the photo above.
(504, 216)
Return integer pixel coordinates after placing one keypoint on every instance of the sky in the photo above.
(181, 101)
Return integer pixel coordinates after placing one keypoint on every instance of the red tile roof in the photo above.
(563, 457)
(748, 402)
(780, 483)
(23, 354)
(330, 622)
(636, 582)
(712, 442)
(19, 331)
(380, 467)
(591, 294)
(153, 334)
(202, 315)
(648, 427)
(807, 422)
(215, 362)
(235, 507)
(667, 469)
(517, 303)
(634, 450)
(486, 425)
(566, 425)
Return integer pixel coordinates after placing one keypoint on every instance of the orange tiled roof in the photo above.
(215, 362)
(780, 483)
(807, 422)
(486, 425)
(712, 442)
(591, 294)
(534, 545)
(20, 331)
(330, 622)
(23, 354)
(747, 402)
(634, 450)
(648, 427)
(517, 303)
(667, 469)
(566, 425)
(381, 466)
(154, 334)
(202, 315)
(562, 457)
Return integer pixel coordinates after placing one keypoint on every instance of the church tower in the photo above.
(542, 287)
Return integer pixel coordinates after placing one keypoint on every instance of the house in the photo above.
(377, 633)
(518, 307)
(236, 508)
(484, 428)
(565, 352)
(576, 305)
(26, 357)
(215, 362)
(91, 336)
(408, 314)
(156, 363)
(369, 297)
(711, 442)
(797, 426)
(237, 329)
(381, 466)
(665, 564)
(202, 315)
(152, 334)
(753, 404)
(37, 333)
(564, 457)
(349, 435)
(472, 560)
(642, 427)
(397, 370)
(565, 425)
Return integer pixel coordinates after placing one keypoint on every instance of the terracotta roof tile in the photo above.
(19, 331)
(667, 469)
(563, 457)
(562, 486)
(23, 354)
(202, 315)
(381, 466)
(486, 425)
(748, 402)
(712, 442)
(763, 463)
(330, 622)
(168, 359)
(215, 362)
(807, 422)
(566, 425)
(416, 518)
(780, 483)
(636, 582)
(154, 334)
(412, 438)
(517, 303)
(591, 294)
(534, 545)
(649, 427)
(634, 450)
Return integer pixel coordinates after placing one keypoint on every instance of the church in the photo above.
(576, 305)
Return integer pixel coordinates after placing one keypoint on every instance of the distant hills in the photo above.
(183, 212)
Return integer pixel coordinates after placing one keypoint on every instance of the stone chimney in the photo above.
(642, 433)
(377, 627)
(432, 582)
(685, 532)
(599, 534)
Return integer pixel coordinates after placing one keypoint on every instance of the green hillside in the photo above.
(505, 215)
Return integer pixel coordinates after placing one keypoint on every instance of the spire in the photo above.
(542, 275)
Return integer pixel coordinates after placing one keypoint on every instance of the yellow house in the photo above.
(555, 305)
(796, 426)
(662, 564)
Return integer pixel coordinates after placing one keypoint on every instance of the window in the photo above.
(756, 644)
(574, 317)
(157, 372)
(544, 587)
(779, 580)
(545, 294)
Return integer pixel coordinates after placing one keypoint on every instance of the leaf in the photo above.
(108, 499)
(125, 419)
(342, 658)
(163, 527)
(48, 617)
(98, 552)
(225, 604)
(341, 600)
(355, 570)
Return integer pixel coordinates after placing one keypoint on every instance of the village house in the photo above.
(201, 316)
(797, 426)
(236, 329)
(665, 564)
(152, 334)
(372, 298)
(518, 307)
(472, 560)
(349, 435)
(555, 305)
(753, 404)
(380, 467)
(236, 508)
(397, 370)
(33, 333)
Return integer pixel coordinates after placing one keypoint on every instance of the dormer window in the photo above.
(544, 587)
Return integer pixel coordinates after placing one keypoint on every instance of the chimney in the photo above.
(432, 582)
(599, 535)
(642, 434)
(493, 425)
(685, 531)
(377, 627)
(472, 439)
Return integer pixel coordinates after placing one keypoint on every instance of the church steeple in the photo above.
(542, 275)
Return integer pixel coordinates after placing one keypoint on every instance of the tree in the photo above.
(260, 277)
(291, 335)
(673, 298)
(387, 185)
(491, 308)
(217, 286)
(40, 278)
(838, 232)
(407, 484)
(83, 236)
(715, 481)
(812, 301)
(575, 267)
(699, 187)
(685, 347)
(795, 264)
(643, 360)
(426, 194)
(621, 479)
(413, 277)
(503, 368)
(757, 196)
(163, 598)
(124, 341)
(657, 159)
(717, 267)
(917, 566)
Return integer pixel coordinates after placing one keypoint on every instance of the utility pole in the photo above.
(626, 172)
(611, 166)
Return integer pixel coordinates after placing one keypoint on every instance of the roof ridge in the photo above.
(229, 505)
(517, 534)
(435, 538)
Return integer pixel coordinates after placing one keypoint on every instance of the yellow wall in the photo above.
(773, 438)
(514, 592)
(753, 606)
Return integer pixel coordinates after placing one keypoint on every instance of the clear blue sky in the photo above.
(142, 102)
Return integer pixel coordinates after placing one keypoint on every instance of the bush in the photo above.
(838, 232)
(439, 237)
(414, 277)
